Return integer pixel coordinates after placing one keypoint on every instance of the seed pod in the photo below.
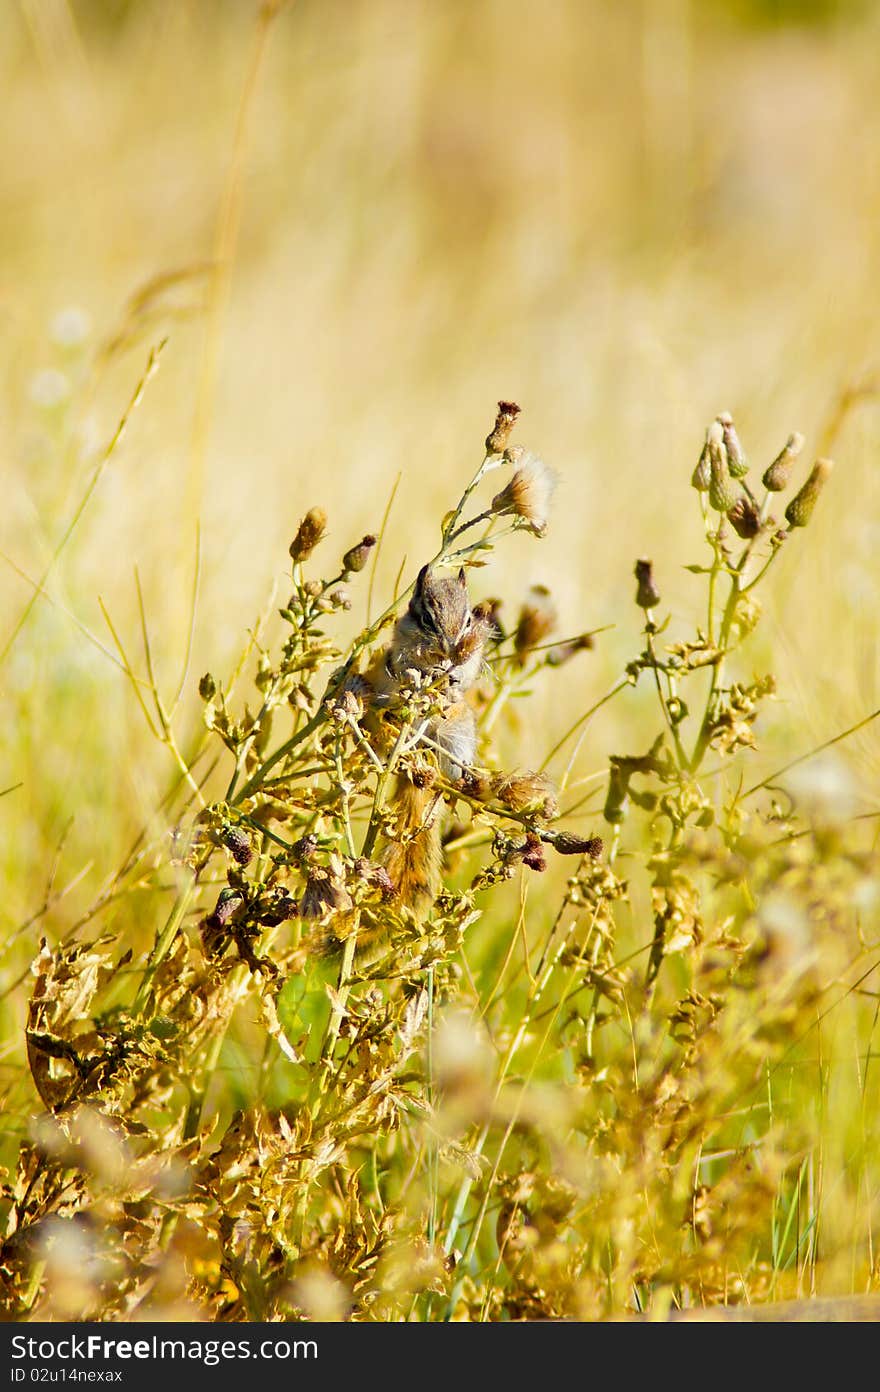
(745, 517)
(777, 475)
(355, 559)
(800, 509)
(722, 494)
(207, 687)
(737, 463)
(496, 440)
(311, 530)
(647, 594)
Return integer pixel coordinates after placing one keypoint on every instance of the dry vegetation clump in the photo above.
(592, 1079)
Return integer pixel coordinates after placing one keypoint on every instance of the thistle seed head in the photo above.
(527, 792)
(528, 494)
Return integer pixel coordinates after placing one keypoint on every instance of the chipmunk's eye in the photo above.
(429, 622)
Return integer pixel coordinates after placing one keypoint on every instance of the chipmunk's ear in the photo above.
(462, 579)
(421, 578)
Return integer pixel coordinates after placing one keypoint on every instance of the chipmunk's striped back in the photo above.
(439, 638)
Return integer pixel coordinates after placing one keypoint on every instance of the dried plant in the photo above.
(311, 1099)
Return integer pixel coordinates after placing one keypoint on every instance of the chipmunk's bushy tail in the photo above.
(412, 855)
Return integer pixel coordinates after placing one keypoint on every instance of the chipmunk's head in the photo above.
(441, 609)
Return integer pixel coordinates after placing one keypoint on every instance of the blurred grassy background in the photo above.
(625, 217)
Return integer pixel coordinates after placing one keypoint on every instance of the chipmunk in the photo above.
(439, 641)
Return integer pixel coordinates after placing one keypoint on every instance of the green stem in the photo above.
(163, 945)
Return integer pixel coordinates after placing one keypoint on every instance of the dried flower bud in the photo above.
(722, 494)
(701, 476)
(229, 904)
(278, 906)
(348, 704)
(207, 687)
(238, 843)
(323, 894)
(537, 620)
(647, 594)
(311, 530)
(303, 849)
(745, 517)
(533, 853)
(737, 463)
(528, 494)
(496, 441)
(355, 559)
(381, 880)
(527, 792)
(566, 844)
(777, 476)
(800, 509)
(340, 598)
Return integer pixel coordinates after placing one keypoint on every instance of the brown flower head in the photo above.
(533, 853)
(324, 894)
(537, 620)
(745, 517)
(496, 440)
(647, 594)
